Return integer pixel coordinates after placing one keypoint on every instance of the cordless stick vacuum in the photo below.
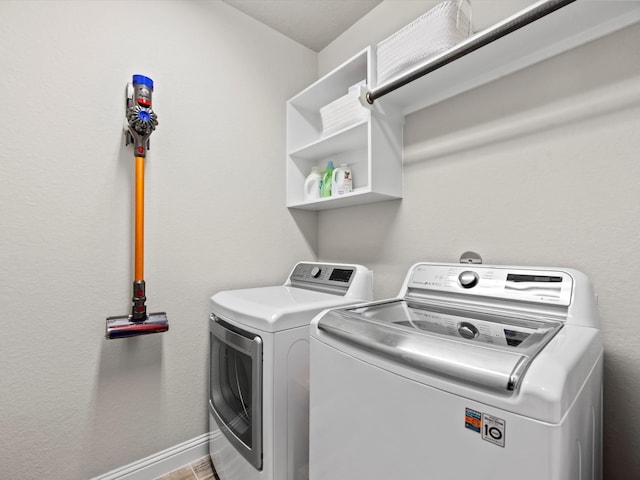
(141, 121)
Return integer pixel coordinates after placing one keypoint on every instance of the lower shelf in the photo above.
(357, 197)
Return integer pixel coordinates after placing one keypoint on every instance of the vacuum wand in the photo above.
(139, 308)
(141, 121)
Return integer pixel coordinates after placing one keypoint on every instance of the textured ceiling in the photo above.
(313, 23)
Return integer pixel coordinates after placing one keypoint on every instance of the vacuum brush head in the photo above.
(125, 326)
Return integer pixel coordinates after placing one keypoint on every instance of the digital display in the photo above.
(512, 277)
(341, 275)
(515, 337)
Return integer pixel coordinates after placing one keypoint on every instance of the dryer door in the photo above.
(235, 387)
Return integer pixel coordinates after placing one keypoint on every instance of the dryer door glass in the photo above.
(235, 387)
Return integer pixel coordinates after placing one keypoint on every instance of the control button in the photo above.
(467, 330)
(468, 279)
(315, 272)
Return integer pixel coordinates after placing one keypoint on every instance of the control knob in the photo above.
(468, 330)
(315, 272)
(468, 279)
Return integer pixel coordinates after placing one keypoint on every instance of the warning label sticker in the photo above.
(472, 420)
(493, 429)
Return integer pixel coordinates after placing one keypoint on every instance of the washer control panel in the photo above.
(540, 286)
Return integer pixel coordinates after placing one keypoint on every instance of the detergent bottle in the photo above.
(312, 184)
(342, 181)
(325, 190)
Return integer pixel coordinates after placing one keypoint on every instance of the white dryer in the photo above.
(259, 369)
(474, 371)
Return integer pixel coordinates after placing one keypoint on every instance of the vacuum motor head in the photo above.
(141, 119)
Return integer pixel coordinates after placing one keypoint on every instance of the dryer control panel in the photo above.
(319, 273)
(540, 286)
(347, 280)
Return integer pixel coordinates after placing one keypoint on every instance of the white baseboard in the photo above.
(162, 462)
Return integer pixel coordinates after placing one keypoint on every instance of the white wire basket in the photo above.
(441, 28)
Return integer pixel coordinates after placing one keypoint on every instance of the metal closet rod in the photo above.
(527, 16)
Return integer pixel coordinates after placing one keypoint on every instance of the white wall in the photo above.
(539, 168)
(74, 405)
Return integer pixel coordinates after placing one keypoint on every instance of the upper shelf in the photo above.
(332, 85)
(569, 27)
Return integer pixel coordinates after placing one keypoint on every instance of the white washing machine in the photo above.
(474, 371)
(259, 369)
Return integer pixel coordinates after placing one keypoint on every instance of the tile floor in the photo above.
(201, 469)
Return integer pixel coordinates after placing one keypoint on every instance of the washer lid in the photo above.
(275, 308)
(487, 350)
